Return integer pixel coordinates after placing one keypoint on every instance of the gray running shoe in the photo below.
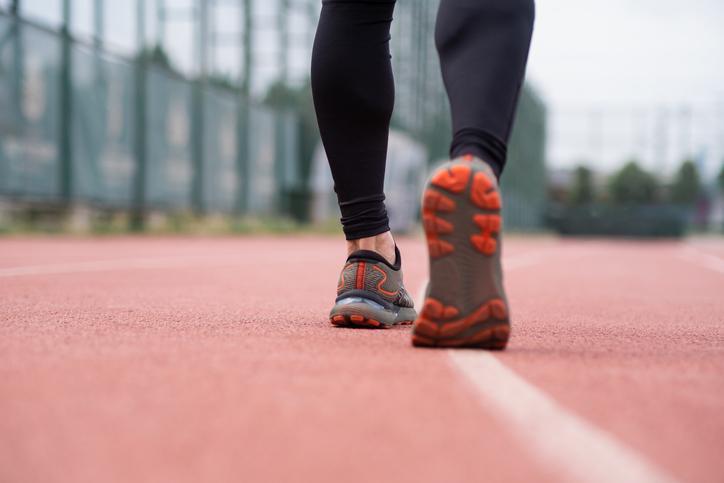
(370, 293)
(465, 304)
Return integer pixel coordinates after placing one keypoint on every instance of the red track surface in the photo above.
(212, 360)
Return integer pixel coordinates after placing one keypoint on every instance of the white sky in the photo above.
(638, 64)
(628, 51)
(621, 78)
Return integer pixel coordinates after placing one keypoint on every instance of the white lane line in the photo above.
(174, 262)
(213, 259)
(574, 448)
(523, 260)
(703, 259)
(97, 266)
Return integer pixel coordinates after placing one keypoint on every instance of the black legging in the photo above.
(483, 48)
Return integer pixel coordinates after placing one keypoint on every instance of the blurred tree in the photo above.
(298, 99)
(436, 136)
(156, 55)
(687, 185)
(632, 185)
(224, 81)
(582, 191)
(720, 178)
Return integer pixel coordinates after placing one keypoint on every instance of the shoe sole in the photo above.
(465, 305)
(368, 314)
(363, 322)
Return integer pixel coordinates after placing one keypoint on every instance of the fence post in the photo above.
(15, 35)
(242, 154)
(244, 111)
(98, 35)
(138, 211)
(197, 145)
(283, 39)
(65, 147)
(281, 161)
(197, 108)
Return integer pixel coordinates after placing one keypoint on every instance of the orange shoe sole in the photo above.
(466, 304)
(356, 320)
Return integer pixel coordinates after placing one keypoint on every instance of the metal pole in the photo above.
(662, 142)
(312, 19)
(283, 36)
(243, 151)
(424, 74)
(15, 36)
(160, 23)
(685, 131)
(98, 37)
(595, 133)
(202, 24)
(247, 50)
(280, 151)
(721, 130)
(212, 34)
(419, 77)
(139, 185)
(66, 107)
(98, 25)
(202, 38)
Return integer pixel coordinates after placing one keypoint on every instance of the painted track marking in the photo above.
(703, 259)
(577, 450)
(97, 266)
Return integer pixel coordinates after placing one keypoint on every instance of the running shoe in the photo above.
(370, 293)
(465, 303)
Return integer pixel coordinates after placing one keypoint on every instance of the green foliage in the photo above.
(224, 82)
(435, 136)
(687, 186)
(633, 185)
(720, 178)
(631, 220)
(524, 180)
(582, 191)
(156, 55)
(299, 100)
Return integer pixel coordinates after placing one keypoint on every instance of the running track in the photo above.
(188, 360)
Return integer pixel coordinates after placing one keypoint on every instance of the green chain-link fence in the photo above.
(103, 137)
(79, 125)
(188, 158)
(29, 117)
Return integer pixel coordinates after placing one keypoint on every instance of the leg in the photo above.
(353, 91)
(483, 46)
(353, 95)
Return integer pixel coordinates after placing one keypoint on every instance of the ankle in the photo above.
(382, 244)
